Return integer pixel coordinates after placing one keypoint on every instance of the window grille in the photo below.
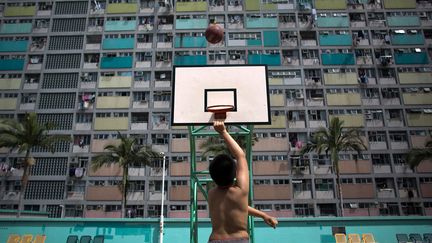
(49, 167)
(66, 61)
(63, 8)
(69, 25)
(61, 121)
(45, 190)
(66, 42)
(57, 101)
(60, 81)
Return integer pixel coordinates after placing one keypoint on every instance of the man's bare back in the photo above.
(228, 209)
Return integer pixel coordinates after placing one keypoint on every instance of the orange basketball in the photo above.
(214, 33)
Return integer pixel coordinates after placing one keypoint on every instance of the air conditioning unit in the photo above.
(299, 95)
(354, 205)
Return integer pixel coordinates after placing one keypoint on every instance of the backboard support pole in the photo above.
(199, 179)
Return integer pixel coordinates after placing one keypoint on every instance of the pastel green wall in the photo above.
(13, 46)
(251, 5)
(411, 58)
(403, 21)
(335, 40)
(118, 43)
(20, 11)
(336, 22)
(191, 6)
(120, 25)
(185, 24)
(116, 8)
(338, 59)
(14, 64)
(399, 3)
(409, 39)
(330, 4)
(116, 62)
(22, 28)
(289, 230)
(190, 41)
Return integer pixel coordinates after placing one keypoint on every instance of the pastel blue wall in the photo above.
(338, 59)
(190, 60)
(14, 64)
(335, 40)
(120, 25)
(13, 46)
(403, 21)
(292, 230)
(118, 43)
(271, 37)
(254, 42)
(16, 28)
(271, 60)
(116, 62)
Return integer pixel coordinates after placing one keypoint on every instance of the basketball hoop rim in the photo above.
(220, 108)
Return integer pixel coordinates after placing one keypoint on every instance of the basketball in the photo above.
(214, 33)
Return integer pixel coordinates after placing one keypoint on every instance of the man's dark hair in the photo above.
(223, 170)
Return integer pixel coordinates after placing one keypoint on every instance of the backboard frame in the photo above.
(267, 98)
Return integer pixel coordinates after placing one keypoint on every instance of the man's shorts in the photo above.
(239, 240)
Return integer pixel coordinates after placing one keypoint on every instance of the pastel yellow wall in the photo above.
(115, 82)
(276, 122)
(112, 102)
(400, 3)
(415, 78)
(20, 11)
(330, 4)
(350, 120)
(419, 119)
(340, 78)
(8, 103)
(343, 99)
(275, 81)
(115, 8)
(417, 98)
(111, 123)
(191, 6)
(10, 83)
(277, 100)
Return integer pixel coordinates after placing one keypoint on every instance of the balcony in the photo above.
(399, 145)
(103, 193)
(190, 42)
(121, 8)
(302, 194)
(386, 193)
(378, 145)
(199, 6)
(262, 22)
(112, 102)
(415, 77)
(408, 193)
(272, 192)
(116, 62)
(355, 167)
(411, 58)
(189, 24)
(333, 22)
(317, 123)
(80, 149)
(268, 59)
(402, 169)
(426, 189)
(345, 99)
(419, 119)
(11, 64)
(407, 39)
(417, 98)
(297, 124)
(10, 83)
(403, 21)
(335, 40)
(118, 43)
(20, 28)
(16, 11)
(117, 25)
(277, 100)
(190, 60)
(361, 212)
(270, 168)
(271, 144)
(399, 4)
(14, 46)
(338, 59)
(111, 123)
(324, 194)
(331, 4)
(83, 126)
(357, 191)
(115, 82)
(350, 120)
(8, 103)
(101, 214)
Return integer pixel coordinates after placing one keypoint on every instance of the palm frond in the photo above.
(416, 156)
(102, 159)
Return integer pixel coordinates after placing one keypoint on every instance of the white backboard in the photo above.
(197, 87)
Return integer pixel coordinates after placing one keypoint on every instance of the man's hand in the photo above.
(219, 126)
(272, 222)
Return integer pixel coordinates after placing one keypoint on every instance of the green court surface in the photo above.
(290, 230)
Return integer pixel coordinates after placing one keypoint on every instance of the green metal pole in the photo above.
(193, 210)
(251, 225)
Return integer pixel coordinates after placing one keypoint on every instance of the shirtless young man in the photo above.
(228, 202)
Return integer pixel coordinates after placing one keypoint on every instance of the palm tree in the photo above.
(417, 155)
(334, 140)
(26, 135)
(126, 154)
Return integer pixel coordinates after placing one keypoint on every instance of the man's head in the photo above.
(223, 170)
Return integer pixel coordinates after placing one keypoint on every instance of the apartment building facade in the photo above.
(98, 67)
